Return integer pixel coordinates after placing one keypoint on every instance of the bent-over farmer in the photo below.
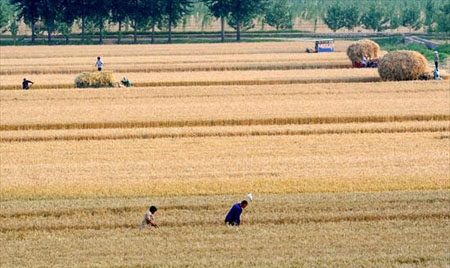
(234, 215)
(26, 84)
(149, 218)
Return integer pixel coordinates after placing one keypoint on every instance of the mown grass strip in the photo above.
(225, 134)
(229, 122)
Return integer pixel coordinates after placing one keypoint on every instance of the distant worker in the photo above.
(436, 74)
(26, 84)
(364, 61)
(99, 64)
(234, 215)
(149, 218)
(126, 82)
(436, 60)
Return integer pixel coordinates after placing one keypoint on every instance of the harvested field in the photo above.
(159, 50)
(214, 165)
(357, 228)
(345, 169)
(170, 63)
(166, 105)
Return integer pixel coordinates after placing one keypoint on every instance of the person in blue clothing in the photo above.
(234, 215)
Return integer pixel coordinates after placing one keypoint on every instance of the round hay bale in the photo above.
(357, 50)
(403, 65)
(96, 80)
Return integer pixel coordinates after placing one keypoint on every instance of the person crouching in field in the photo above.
(234, 215)
(149, 218)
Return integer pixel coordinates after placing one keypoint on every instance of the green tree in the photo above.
(84, 8)
(13, 27)
(66, 17)
(100, 15)
(28, 10)
(153, 11)
(311, 10)
(375, 18)
(119, 12)
(137, 16)
(242, 13)
(48, 10)
(173, 11)
(351, 17)
(5, 15)
(335, 17)
(279, 14)
(220, 9)
(429, 15)
(443, 18)
(411, 18)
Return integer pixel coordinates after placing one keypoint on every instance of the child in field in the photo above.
(149, 218)
(99, 64)
(234, 215)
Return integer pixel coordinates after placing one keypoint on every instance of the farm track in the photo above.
(232, 122)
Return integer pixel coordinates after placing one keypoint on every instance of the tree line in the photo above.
(376, 16)
(149, 15)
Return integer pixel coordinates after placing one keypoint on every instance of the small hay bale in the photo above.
(357, 50)
(403, 65)
(95, 80)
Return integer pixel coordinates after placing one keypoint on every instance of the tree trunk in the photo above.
(153, 33)
(120, 32)
(135, 32)
(170, 31)
(49, 35)
(315, 25)
(67, 38)
(222, 29)
(100, 38)
(33, 32)
(83, 26)
(238, 30)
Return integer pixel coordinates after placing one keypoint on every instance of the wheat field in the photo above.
(346, 170)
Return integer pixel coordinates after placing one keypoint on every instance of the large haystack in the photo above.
(96, 79)
(403, 65)
(357, 50)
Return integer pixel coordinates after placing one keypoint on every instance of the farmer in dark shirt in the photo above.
(234, 216)
(436, 60)
(26, 84)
